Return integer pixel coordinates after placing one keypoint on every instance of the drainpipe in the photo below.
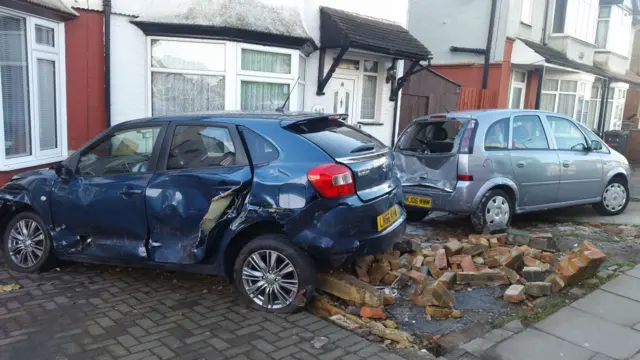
(545, 23)
(395, 122)
(539, 89)
(487, 53)
(106, 4)
(603, 107)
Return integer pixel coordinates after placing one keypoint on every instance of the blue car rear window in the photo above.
(337, 138)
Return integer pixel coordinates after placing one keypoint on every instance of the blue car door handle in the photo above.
(130, 192)
(566, 163)
(521, 164)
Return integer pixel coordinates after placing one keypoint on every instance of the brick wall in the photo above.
(633, 147)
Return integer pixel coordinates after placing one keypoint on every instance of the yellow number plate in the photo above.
(388, 217)
(419, 201)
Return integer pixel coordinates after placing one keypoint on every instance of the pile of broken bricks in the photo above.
(532, 270)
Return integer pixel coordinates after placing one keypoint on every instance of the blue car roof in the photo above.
(236, 117)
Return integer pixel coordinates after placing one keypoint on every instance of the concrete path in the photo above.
(631, 216)
(603, 325)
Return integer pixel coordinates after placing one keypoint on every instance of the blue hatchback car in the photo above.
(260, 198)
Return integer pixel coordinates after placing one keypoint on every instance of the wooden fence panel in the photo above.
(474, 99)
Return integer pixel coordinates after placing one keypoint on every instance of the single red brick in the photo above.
(547, 257)
(372, 313)
(362, 274)
(441, 259)
(388, 299)
(494, 243)
(378, 271)
(556, 282)
(467, 264)
(515, 294)
(417, 276)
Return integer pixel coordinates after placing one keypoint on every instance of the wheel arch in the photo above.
(242, 237)
(504, 184)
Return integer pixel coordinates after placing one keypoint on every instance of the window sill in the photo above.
(370, 123)
(31, 163)
(526, 24)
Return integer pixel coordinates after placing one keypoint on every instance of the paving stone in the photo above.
(498, 335)
(478, 346)
(612, 307)
(624, 285)
(514, 326)
(532, 344)
(602, 357)
(592, 332)
(635, 272)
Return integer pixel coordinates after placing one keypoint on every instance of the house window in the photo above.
(594, 107)
(527, 11)
(603, 26)
(518, 84)
(32, 91)
(565, 97)
(187, 76)
(559, 16)
(369, 90)
(266, 78)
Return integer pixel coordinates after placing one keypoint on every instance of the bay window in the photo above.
(32, 91)
(566, 97)
(200, 76)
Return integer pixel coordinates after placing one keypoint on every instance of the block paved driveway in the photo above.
(101, 312)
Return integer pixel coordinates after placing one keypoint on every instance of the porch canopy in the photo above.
(249, 21)
(50, 9)
(526, 52)
(344, 30)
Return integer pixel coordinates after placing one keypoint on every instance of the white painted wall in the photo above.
(128, 70)
(532, 31)
(440, 24)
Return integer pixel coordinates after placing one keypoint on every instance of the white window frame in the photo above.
(520, 85)
(526, 16)
(151, 69)
(267, 77)
(34, 52)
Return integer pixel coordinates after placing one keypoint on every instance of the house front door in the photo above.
(342, 93)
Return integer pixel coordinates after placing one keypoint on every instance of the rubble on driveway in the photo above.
(529, 267)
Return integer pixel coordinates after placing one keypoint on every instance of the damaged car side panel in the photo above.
(184, 207)
(29, 190)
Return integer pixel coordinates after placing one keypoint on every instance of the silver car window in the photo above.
(528, 133)
(497, 137)
(566, 134)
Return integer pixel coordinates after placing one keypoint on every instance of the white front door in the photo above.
(342, 94)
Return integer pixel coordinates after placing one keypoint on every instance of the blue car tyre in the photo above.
(273, 275)
(27, 244)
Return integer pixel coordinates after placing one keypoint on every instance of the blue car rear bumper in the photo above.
(349, 230)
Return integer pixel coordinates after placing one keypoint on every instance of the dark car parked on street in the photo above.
(260, 198)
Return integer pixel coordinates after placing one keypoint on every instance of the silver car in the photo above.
(492, 164)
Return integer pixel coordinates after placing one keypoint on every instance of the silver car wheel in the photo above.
(497, 211)
(614, 197)
(26, 243)
(270, 279)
